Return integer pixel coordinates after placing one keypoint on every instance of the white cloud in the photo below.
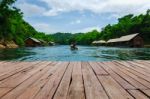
(110, 9)
(87, 29)
(97, 6)
(43, 27)
(31, 9)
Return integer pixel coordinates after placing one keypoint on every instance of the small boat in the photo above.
(74, 48)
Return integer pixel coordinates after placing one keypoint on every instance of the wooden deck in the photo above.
(75, 80)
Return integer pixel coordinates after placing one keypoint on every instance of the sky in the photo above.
(51, 16)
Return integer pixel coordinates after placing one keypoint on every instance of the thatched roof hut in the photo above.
(100, 42)
(123, 38)
(51, 43)
(32, 42)
(133, 40)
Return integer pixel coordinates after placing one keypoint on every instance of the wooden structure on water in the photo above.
(51, 43)
(75, 80)
(99, 43)
(133, 40)
(32, 42)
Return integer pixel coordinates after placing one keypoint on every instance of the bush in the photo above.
(19, 41)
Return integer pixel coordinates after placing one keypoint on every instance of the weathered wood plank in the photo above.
(143, 63)
(113, 89)
(147, 92)
(10, 66)
(20, 66)
(18, 78)
(119, 79)
(146, 77)
(76, 90)
(147, 61)
(75, 80)
(32, 90)
(137, 78)
(137, 94)
(63, 88)
(4, 91)
(126, 77)
(50, 87)
(93, 88)
(141, 67)
(131, 66)
(1, 62)
(13, 94)
(7, 66)
(97, 69)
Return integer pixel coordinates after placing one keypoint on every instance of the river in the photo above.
(85, 53)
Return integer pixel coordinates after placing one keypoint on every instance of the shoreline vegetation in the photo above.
(14, 30)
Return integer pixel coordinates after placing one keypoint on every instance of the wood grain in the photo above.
(75, 80)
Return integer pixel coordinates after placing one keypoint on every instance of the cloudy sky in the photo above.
(53, 16)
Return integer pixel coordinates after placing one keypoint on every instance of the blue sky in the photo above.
(51, 16)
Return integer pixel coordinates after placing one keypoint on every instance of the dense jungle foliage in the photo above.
(14, 27)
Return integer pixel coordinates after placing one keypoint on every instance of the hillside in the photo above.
(15, 29)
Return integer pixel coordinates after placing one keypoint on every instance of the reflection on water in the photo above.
(14, 54)
(85, 53)
(74, 51)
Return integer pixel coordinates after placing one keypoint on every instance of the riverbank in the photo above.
(8, 44)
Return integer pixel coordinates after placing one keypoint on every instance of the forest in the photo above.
(14, 28)
(126, 25)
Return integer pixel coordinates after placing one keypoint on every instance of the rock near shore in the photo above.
(2, 46)
(8, 44)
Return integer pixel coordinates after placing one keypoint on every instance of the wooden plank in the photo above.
(93, 88)
(6, 69)
(126, 77)
(119, 79)
(147, 65)
(113, 89)
(14, 71)
(147, 92)
(50, 87)
(10, 66)
(1, 62)
(4, 63)
(22, 87)
(97, 69)
(76, 90)
(137, 78)
(18, 78)
(137, 94)
(146, 77)
(145, 61)
(142, 62)
(61, 80)
(63, 88)
(133, 67)
(21, 66)
(3, 91)
(143, 67)
(32, 90)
